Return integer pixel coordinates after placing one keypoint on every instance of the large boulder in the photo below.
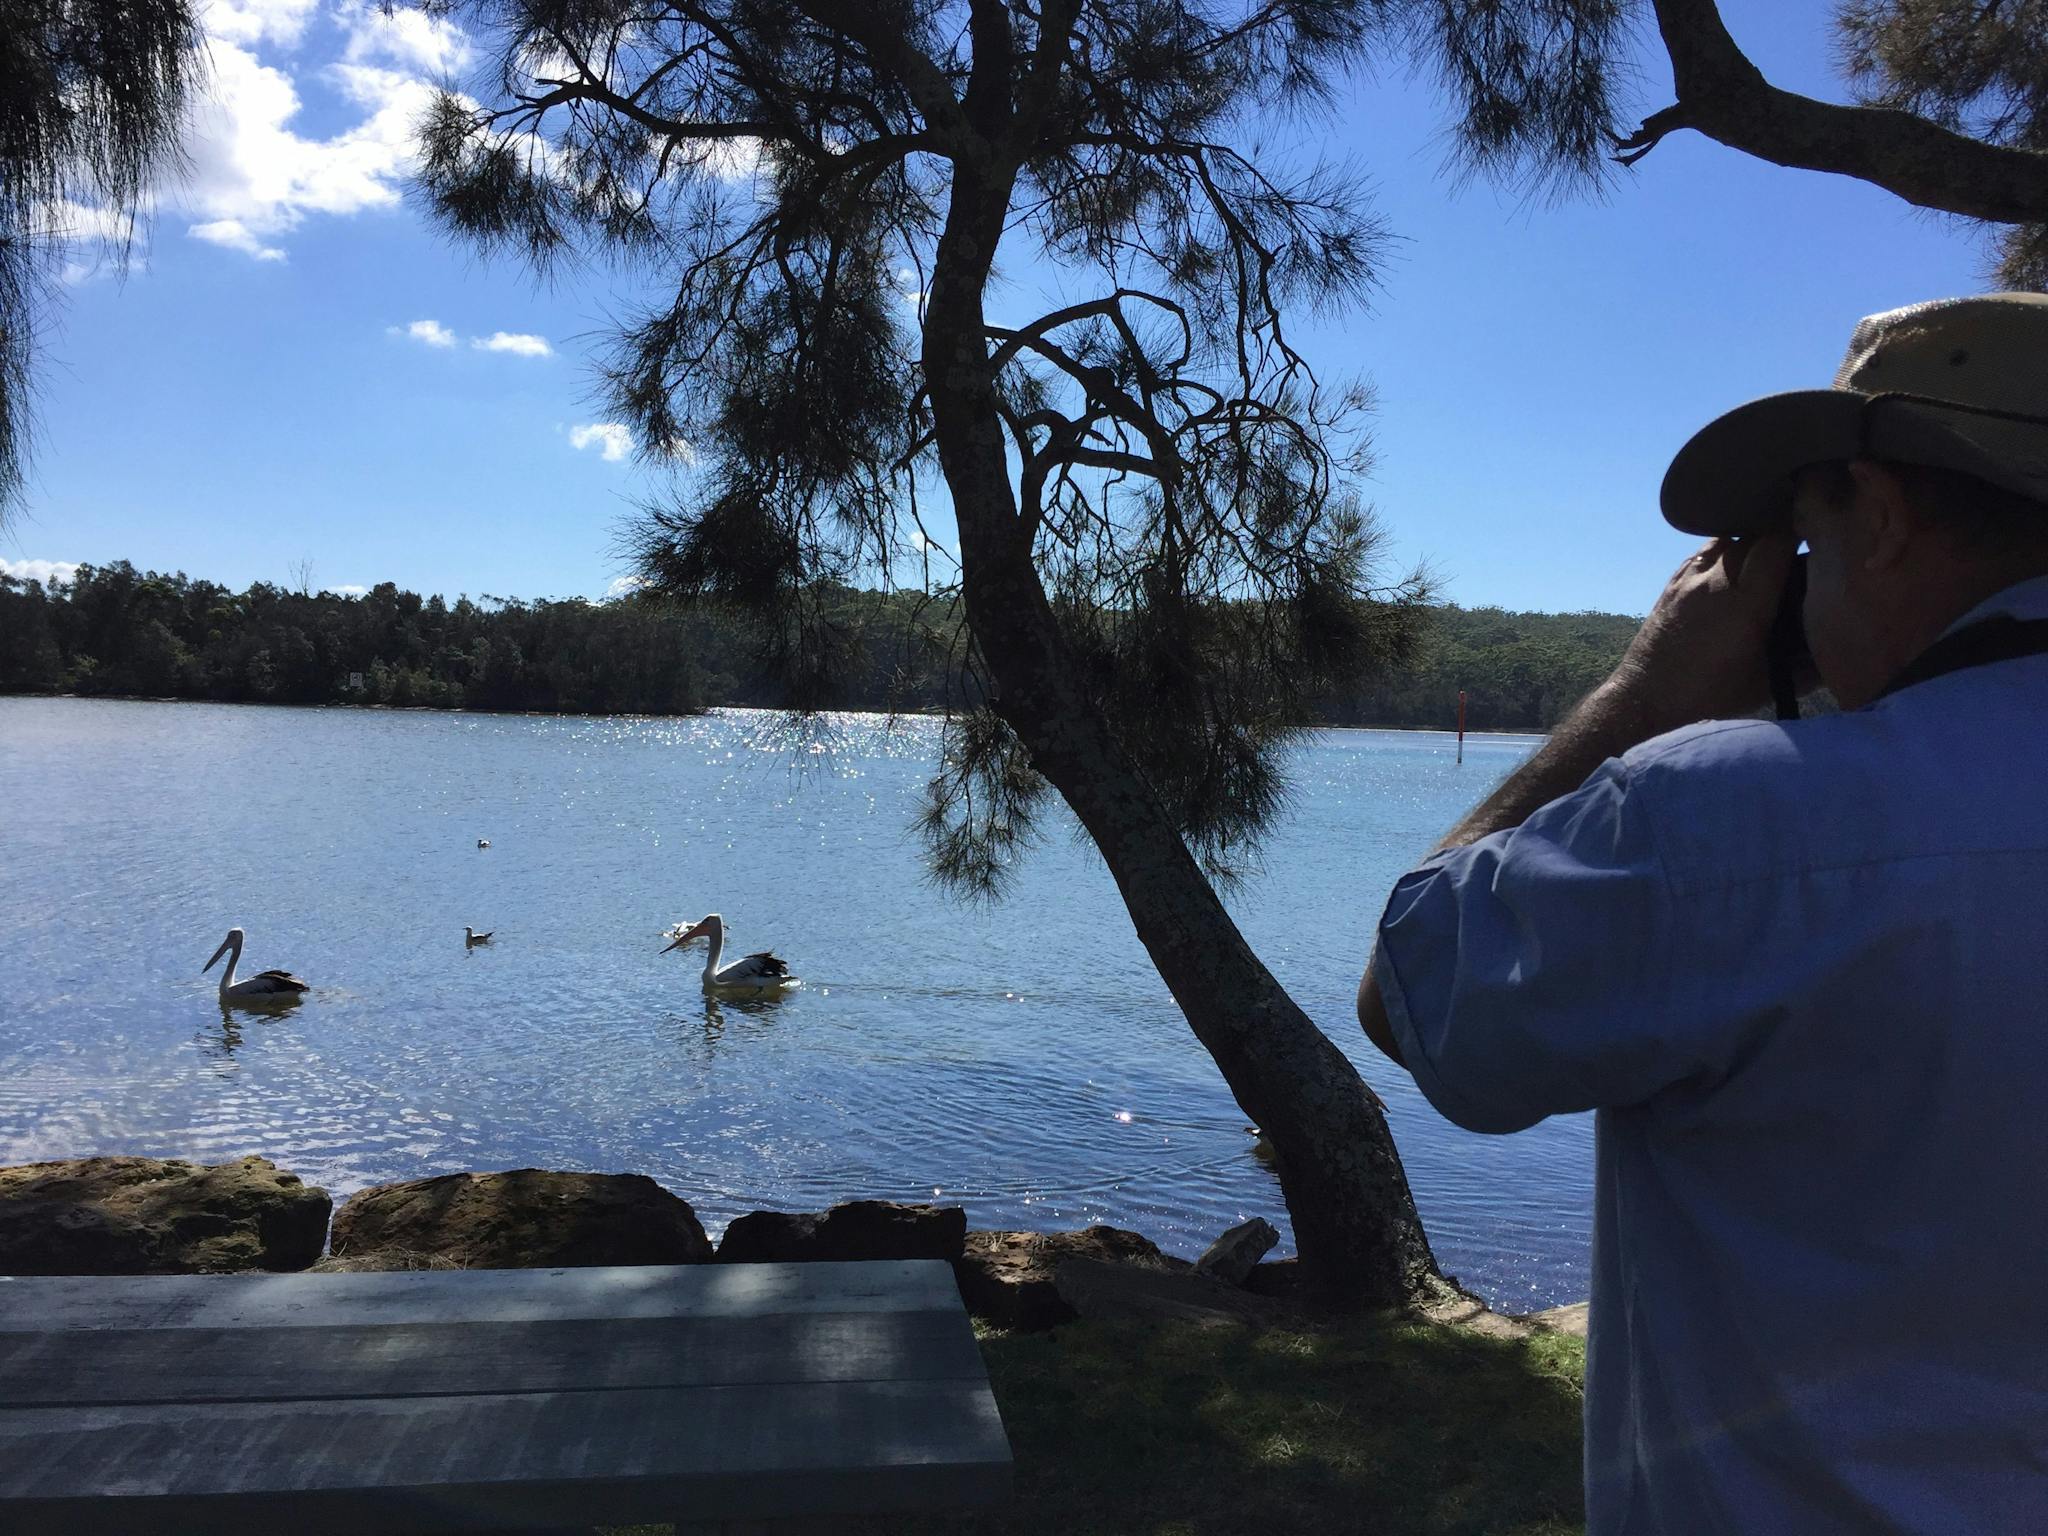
(157, 1216)
(1102, 1292)
(526, 1218)
(1008, 1278)
(858, 1229)
(1231, 1257)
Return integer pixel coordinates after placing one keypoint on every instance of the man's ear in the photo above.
(1884, 515)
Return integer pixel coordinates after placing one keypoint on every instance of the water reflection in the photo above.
(722, 1018)
(227, 1041)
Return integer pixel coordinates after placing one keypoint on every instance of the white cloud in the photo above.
(613, 438)
(236, 236)
(429, 44)
(516, 342)
(350, 590)
(254, 179)
(50, 573)
(432, 332)
(625, 584)
(256, 21)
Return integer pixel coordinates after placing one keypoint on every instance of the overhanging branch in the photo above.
(1726, 97)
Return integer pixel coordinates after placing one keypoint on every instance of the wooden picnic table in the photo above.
(490, 1399)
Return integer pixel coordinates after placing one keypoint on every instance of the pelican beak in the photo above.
(676, 944)
(224, 946)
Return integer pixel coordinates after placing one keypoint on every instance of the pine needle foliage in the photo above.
(93, 98)
(1537, 87)
(1185, 483)
(1975, 68)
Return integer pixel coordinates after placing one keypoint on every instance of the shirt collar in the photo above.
(2022, 600)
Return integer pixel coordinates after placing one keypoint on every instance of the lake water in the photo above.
(1024, 1061)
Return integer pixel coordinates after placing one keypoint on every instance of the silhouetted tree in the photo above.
(1161, 557)
(92, 93)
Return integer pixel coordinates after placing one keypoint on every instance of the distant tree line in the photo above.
(118, 631)
(1519, 671)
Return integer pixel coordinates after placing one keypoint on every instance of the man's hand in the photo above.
(1700, 653)
(1698, 656)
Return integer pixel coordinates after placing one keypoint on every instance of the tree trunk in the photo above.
(1347, 1194)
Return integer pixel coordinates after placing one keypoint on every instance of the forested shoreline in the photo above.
(116, 631)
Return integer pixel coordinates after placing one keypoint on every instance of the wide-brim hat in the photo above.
(1958, 384)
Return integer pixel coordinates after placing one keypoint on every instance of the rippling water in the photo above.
(1025, 1061)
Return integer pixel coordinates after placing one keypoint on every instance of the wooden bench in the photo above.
(303, 1405)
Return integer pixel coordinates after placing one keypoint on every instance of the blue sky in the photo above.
(297, 369)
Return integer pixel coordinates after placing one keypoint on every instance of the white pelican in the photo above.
(472, 938)
(483, 842)
(263, 987)
(760, 972)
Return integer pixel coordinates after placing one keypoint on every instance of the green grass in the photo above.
(1361, 1427)
(1366, 1426)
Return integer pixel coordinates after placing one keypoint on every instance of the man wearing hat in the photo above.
(1800, 967)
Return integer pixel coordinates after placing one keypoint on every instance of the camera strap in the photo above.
(1981, 644)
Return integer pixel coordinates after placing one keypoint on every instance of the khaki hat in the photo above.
(1956, 384)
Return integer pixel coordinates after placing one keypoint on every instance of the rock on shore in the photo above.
(157, 1216)
(1011, 1278)
(524, 1218)
(857, 1229)
(1233, 1256)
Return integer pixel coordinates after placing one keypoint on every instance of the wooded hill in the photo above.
(118, 631)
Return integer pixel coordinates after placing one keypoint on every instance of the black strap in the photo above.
(1785, 649)
(2003, 638)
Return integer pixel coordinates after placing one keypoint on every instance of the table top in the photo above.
(490, 1399)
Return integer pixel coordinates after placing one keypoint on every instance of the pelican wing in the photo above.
(762, 964)
(278, 981)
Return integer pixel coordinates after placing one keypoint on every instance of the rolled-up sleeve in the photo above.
(1529, 974)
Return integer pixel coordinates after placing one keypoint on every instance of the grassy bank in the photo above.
(1392, 1428)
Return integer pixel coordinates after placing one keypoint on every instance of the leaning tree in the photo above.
(1022, 255)
(93, 97)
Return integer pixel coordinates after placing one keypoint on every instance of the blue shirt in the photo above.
(1799, 970)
